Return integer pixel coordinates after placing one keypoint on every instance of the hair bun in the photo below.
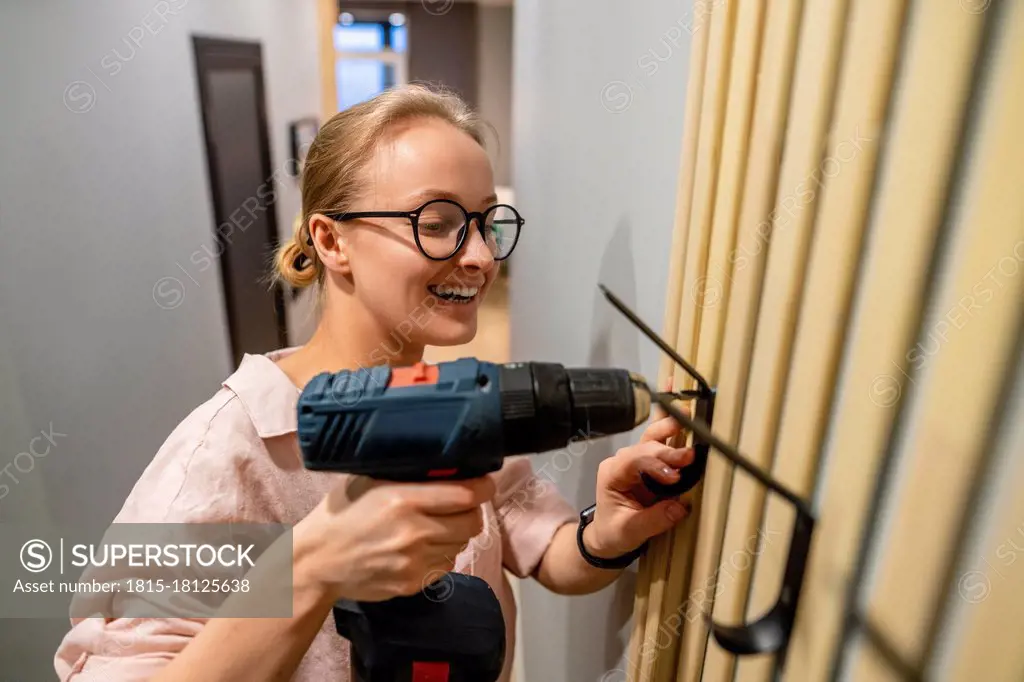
(294, 264)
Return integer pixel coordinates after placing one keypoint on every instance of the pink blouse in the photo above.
(236, 458)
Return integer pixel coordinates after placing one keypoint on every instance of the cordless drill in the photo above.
(454, 420)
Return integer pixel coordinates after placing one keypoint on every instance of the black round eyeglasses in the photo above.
(440, 227)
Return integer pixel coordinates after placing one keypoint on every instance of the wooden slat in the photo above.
(931, 93)
(684, 194)
(961, 357)
(708, 301)
(713, 293)
(709, 145)
(657, 662)
(821, 38)
(990, 590)
(692, 117)
(747, 266)
(873, 31)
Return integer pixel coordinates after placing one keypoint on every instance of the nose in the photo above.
(475, 254)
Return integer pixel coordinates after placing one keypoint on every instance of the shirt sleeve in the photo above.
(206, 472)
(530, 510)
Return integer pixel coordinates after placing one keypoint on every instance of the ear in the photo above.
(330, 246)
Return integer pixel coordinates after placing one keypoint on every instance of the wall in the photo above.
(443, 46)
(597, 126)
(103, 192)
(494, 84)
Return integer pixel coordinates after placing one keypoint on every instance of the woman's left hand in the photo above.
(622, 521)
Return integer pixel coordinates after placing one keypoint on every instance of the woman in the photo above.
(236, 457)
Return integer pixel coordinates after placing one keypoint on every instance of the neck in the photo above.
(348, 337)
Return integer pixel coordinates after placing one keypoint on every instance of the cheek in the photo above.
(390, 277)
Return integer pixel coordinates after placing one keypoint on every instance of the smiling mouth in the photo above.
(453, 294)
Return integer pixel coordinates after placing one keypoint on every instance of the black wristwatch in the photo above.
(586, 517)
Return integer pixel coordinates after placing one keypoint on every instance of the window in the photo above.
(370, 57)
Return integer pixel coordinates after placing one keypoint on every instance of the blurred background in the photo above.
(147, 169)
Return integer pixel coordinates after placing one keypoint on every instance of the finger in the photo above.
(656, 469)
(654, 520)
(661, 430)
(657, 459)
(676, 457)
(455, 528)
(449, 497)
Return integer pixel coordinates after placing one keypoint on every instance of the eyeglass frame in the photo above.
(413, 217)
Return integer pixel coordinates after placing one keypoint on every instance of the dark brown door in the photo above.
(230, 75)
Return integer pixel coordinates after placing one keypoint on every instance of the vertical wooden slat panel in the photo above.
(973, 326)
(821, 38)
(691, 132)
(653, 566)
(990, 592)
(931, 94)
(708, 301)
(863, 90)
(657, 662)
(745, 267)
(684, 198)
(705, 183)
(712, 295)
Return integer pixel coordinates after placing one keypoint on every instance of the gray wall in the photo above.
(443, 46)
(103, 192)
(597, 127)
(494, 84)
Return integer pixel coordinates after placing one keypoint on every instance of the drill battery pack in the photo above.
(451, 631)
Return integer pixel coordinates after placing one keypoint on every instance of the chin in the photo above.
(452, 334)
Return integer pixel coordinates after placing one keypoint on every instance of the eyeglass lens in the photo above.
(441, 226)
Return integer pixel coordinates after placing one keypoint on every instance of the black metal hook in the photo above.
(704, 386)
(704, 396)
(771, 632)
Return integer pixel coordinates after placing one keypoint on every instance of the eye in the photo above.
(435, 225)
(440, 219)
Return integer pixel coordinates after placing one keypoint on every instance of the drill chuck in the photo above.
(545, 406)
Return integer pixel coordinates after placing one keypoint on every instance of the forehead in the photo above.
(429, 153)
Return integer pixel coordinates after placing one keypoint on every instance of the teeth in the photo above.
(449, 290)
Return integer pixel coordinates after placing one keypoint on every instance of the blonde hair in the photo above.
(331, 174)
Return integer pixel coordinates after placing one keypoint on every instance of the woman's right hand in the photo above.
(372, 540)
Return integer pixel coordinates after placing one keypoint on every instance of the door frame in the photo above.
(211, 53)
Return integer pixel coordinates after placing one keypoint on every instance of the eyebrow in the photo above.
(442, 194)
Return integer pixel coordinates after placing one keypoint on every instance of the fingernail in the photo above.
(675, 511)
(668, 471)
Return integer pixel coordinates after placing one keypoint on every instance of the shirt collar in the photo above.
(267, 394)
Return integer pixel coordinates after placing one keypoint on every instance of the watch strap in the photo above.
(586, 517)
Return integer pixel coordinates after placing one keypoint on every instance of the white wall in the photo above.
(597, 128)
(103, 190)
